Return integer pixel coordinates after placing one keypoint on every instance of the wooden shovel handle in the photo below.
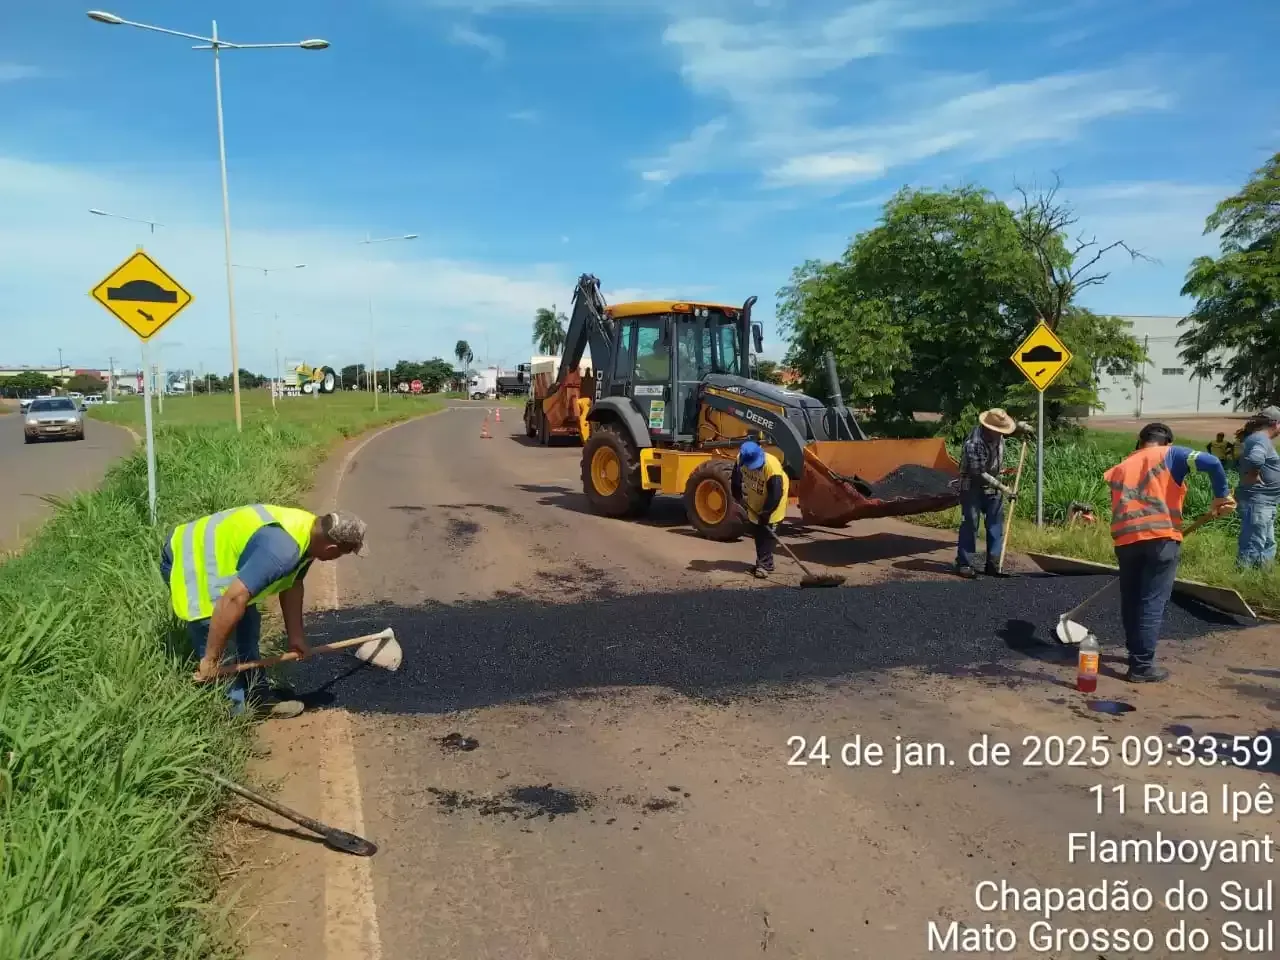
(232, 669)
(1008, 520)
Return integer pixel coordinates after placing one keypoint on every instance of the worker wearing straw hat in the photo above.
(981, 461)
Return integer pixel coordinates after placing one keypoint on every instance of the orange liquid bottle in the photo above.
(1087, 670)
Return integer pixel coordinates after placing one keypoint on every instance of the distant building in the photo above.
(1170, 388)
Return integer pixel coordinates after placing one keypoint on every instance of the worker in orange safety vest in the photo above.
(1147, 492)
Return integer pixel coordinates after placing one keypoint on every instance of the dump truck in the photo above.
(674, 400)
(564, 388)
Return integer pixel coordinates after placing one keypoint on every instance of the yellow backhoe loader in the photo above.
(674, 399)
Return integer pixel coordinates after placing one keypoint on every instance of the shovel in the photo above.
(1069, 631)
(379, 649)
(333, 837)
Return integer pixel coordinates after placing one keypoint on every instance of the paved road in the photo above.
(55, 467)
(633, 695)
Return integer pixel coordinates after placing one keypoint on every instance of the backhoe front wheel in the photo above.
(611, 474)
(708, 501)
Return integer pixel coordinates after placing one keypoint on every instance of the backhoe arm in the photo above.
(587, 327)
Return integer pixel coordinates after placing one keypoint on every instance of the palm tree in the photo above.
(548, 330)
(462, 350)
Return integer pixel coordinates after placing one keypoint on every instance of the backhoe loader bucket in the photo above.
(828, 497)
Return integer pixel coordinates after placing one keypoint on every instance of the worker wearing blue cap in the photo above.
(760, 486)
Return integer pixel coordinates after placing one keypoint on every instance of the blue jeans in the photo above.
(979, 506)
(1257, 544)
(245, 644)
(1147, 571)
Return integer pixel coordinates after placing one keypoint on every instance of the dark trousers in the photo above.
(977, 506)
(762, 533)
(1147, 571)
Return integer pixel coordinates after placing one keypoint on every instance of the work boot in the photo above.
(1147, 675)
(993, 570)
(276, 705)
(760, 573)
(966, 571)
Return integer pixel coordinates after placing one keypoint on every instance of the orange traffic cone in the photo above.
(484, 429)
(497, 415)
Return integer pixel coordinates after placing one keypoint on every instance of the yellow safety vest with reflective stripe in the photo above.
(755, 487)
(206, 554)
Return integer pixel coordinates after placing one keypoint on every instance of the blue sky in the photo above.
(684, 148)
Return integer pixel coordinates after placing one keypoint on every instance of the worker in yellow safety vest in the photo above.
(760, 486)
(219, 566)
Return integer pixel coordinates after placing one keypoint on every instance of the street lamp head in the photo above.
(97, 212)
(103, 17)
(410, 236)
(298, 266)
(314, 44)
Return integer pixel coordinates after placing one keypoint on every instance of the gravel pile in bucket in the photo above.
(911, 481)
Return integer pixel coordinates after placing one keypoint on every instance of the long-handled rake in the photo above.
(809, 579)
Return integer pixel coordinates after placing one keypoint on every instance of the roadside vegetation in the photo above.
(105, 823)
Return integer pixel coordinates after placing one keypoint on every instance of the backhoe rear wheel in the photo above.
(708, 501)
(611, 474)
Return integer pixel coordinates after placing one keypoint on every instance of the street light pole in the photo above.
(373, 356)
(275, 324)
(217, 46)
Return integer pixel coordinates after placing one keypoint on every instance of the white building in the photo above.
(1168, 387)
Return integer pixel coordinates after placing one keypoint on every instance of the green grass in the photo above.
(105, 823)
(1073, 472)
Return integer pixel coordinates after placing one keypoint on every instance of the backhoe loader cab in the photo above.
(674, 399)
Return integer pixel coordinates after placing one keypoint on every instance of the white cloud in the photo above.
(10, 72)
(52, 252)
(687, 155)
(817, 167)
(524, 116)
(470, 37)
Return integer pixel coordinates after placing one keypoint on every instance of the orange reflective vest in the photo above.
(1146, 503)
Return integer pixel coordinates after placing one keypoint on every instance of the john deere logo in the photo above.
(756, 418)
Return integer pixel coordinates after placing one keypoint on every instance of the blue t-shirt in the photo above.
(269, 555)
(1259, 453)
(1182, 460)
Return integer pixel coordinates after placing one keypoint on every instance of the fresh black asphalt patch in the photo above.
(715, 644)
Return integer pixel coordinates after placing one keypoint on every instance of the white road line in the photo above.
(351, 912)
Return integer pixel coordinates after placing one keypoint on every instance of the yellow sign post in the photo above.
(1041, 358)
(144, 298)
(141, 295)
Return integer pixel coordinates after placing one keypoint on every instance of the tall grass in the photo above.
(104, 821)
(1073, 474)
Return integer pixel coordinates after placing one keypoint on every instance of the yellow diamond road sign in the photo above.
(1041, 357)
(142, 295)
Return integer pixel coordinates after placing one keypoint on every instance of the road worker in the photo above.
(1259, 489)
(1147, 491)
(1222, 448)
(760, 486)
(981, 462)
(219, 566)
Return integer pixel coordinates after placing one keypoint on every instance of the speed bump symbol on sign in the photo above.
(1041, 357)
(141, 295)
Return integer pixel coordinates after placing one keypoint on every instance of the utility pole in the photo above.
(111, 377)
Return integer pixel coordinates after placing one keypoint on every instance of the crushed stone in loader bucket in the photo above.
(847, 480)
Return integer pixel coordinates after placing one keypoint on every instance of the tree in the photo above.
(548, 330)
(27, 382)
(86, 383)
(924, 310)
(1233, 333)
(769, 371)
(462, 350)
(1062, 267)
(352, 375)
